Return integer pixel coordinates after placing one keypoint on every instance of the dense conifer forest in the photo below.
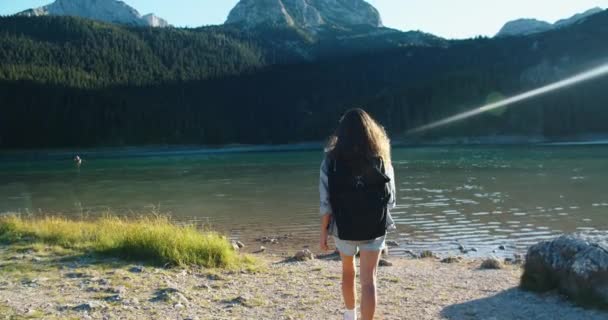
(70, 82)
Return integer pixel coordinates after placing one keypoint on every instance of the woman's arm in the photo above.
(392, 201)
(325, 220)
(325, 206)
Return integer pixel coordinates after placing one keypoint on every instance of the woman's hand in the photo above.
(323, 242)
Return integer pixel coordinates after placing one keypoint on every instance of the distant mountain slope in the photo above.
(577, 17)
(113, 11)
(308, 15)
(524, 27)
(530, 26)
(312, 29)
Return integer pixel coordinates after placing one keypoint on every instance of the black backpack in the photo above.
(359, 198)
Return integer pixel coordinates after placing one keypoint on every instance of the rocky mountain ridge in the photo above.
(308, 15)
(113, 11)
(522, 27)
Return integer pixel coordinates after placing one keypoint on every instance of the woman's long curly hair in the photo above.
(359, 137)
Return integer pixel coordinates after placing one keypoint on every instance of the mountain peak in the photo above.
(577, 17)
(153, 20)
(113, 11)
(309, 15)
(522, 27)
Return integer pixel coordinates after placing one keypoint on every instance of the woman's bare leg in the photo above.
(348, 281)
(369, 266)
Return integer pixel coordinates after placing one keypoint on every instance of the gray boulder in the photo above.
(392, 243)
(491, 263)
(384, 263)
(576, 265)
(451, 260)
(234, 246)
(304, 255)
(90, 306)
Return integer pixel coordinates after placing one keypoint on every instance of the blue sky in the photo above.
(446, 18)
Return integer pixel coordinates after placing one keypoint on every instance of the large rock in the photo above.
(90, 306)
(304, 255)
(491, 263)
(576, 265)
(384, 263)
(171, 295)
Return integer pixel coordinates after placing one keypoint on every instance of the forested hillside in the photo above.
(76, 52)
(68, 82)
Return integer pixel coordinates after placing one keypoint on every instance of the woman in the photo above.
(359, 148)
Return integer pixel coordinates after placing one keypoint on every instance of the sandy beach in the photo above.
(42, 284)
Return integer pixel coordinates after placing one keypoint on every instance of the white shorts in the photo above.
(350, 248)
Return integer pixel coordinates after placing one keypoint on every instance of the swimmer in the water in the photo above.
(77, 160)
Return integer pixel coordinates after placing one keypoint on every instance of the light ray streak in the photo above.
(576, 79)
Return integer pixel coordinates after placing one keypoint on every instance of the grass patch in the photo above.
(154, 239)
(41, 249)
(8, 313)
(24, 268)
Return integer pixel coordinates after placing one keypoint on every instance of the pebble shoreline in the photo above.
(284, 288)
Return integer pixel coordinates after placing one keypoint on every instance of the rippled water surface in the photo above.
(479, 197)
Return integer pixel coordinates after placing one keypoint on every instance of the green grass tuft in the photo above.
(154, 239)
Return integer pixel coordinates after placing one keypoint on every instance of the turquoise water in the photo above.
(480, 197)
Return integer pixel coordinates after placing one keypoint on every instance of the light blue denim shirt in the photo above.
(325, 207)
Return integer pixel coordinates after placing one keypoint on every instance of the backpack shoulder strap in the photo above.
(331, 164)
(380, 164)
(382, 168)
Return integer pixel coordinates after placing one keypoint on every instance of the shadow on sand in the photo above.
(518, 304)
